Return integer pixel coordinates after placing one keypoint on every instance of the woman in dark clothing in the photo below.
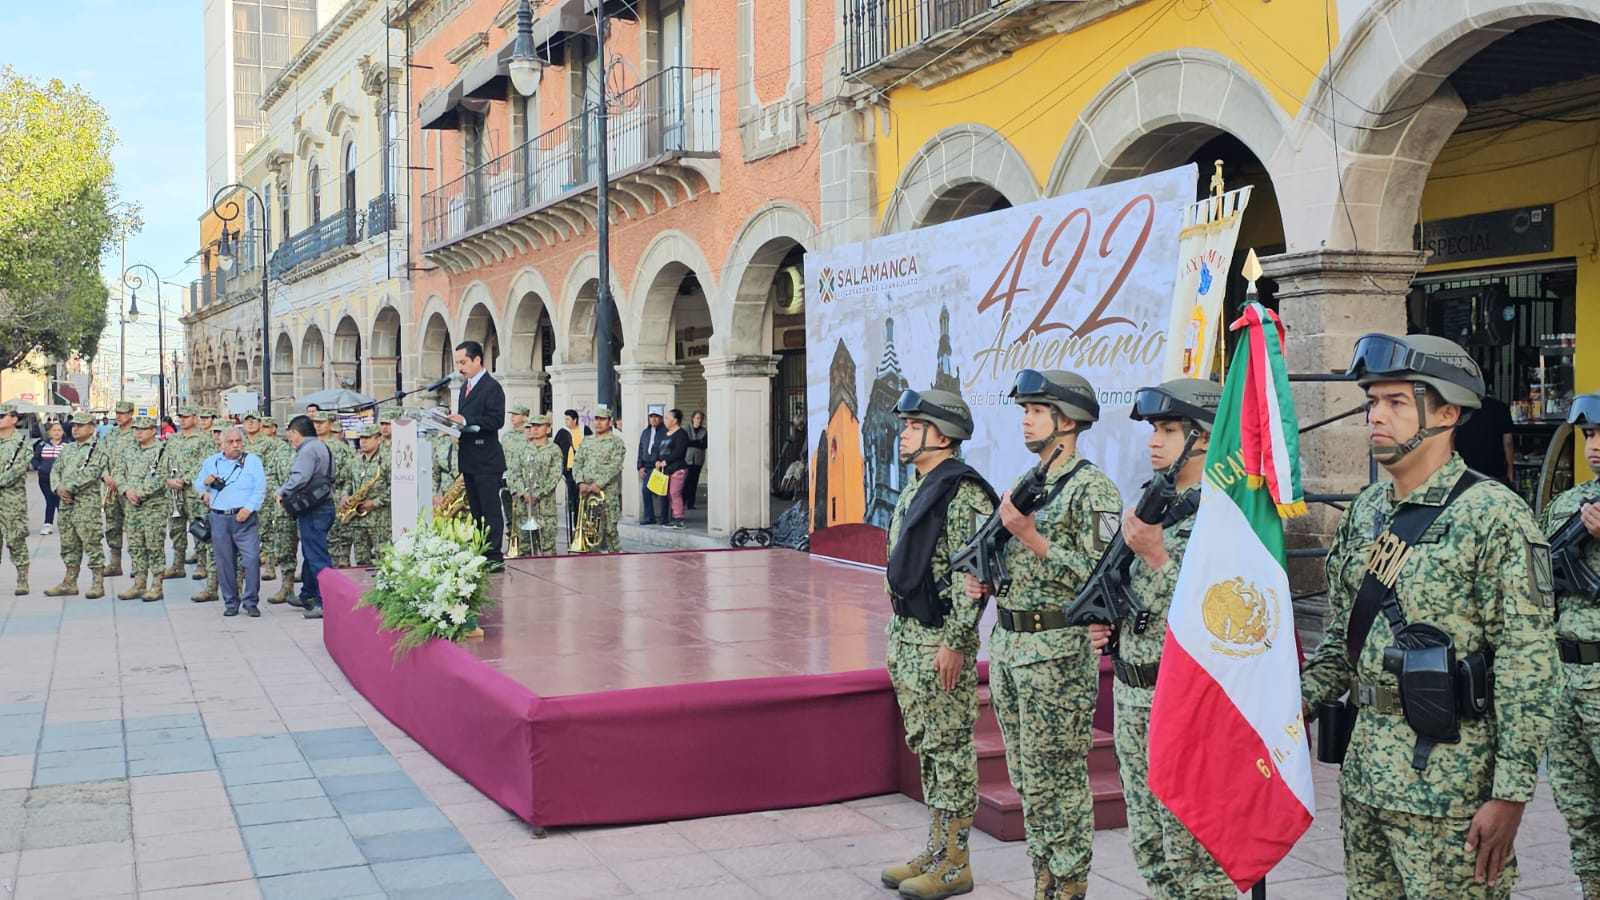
(696, 458)
(671, 453)
(44, 458)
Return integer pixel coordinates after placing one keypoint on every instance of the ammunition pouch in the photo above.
(1335, 721)
(928, 606)
(1423, 658)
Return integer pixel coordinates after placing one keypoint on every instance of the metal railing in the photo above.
(338, 230)
(674, 112)
(876, 29)
(380, 214)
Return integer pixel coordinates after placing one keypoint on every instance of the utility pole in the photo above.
(605, 370)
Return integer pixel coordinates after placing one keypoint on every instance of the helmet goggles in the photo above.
(1032, 383)
(1380, 357)
(1585, 411)
(1154, 403)
(913, 405)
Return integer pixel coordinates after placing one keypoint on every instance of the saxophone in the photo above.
(454, 501)
(352, 509)
(591, 528)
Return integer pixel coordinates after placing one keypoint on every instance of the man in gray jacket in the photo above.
(312, 468)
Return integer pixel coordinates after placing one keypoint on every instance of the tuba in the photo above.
(591, 528)
(454, 501)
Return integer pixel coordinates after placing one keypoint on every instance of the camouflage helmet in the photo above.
(1068, 392)
(1438, 362)
(945, 410)
(1194, 399)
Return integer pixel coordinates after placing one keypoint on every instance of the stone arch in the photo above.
(309, 374)
(481, 324)
(574, 321)
(661, 269)
(1133, 127)
(529, 302)
(347, 353)
(757, 250)
(437, 347)
(1384, 93)
(952, 161)
(387, 344)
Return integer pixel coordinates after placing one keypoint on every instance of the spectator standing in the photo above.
(670, 455)
(695, 460)
(568, 439)
(232, 484)
(1484, 441)
(312, 468)
(45, 454)
(649, 440)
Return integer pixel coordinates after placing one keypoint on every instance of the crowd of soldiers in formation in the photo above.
(127, 491)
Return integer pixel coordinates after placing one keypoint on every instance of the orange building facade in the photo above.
(713, 200)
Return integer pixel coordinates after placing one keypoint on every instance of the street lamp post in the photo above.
(134, 282)
(227, 209)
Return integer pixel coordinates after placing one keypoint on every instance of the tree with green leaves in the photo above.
(56, 218)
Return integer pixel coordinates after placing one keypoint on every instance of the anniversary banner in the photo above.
(1082, 282)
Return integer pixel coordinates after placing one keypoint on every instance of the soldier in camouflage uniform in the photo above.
(255, 441)
(1574, 748)
(1043, 676)
(370, 530)
(279, 532)
(515, 446)
(933, 636)
(207, 442)
(1172, 862)
(386, 417)
(139, 469)
(446, 467)
(182, 449)
(597, 466)
(75, 478)
(340, 538)
(116, 506)
(16, 459)
(1439, 823)
(535, 486)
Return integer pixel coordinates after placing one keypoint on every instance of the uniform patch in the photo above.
(1108, 524)
(1435, 495)
(1436, 532)
(1544, 583)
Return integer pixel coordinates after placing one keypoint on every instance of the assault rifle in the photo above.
(981, 556)
(1105, 598)
(1568, 569)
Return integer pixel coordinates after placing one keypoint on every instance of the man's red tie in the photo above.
(466, 391)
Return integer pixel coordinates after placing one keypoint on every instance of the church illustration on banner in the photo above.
(858, 475)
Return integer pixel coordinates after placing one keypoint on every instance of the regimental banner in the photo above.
(1082, 282)
(1210, 231)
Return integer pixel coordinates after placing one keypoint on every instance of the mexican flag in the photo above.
(1228, 749)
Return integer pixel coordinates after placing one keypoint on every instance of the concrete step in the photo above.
(657, 537)
(1000, 807)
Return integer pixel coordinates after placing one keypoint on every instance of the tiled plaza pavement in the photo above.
(160, 750)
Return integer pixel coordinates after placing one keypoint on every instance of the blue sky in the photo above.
(143, 61)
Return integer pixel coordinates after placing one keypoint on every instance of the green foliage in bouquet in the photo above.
(432, 583)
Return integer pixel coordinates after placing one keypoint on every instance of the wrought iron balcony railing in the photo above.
(671, 114)
(338, 230)
(877, 29)
(380, 215)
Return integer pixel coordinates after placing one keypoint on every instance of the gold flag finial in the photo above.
(1251, 270)
(1217, 187)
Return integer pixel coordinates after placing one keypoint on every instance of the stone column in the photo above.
(572, 386)
(642, 385)
(380, 379)
(1327, 300)
(738, 451)
(525, 388)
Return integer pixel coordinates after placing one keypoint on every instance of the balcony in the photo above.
(927, 42)
(321, 242)
(663, 141)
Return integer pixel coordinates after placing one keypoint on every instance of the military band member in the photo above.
(597, 467)
(75, 478)
(1574, 747)
(112, 444)
(183, 449)
(1043, 675)
(340, 538)
(370, 529)
(1432, 790)
(386, 418)
(16, 459)
(536, 486)
(1172, 862)
(933, 636)
(139, 478)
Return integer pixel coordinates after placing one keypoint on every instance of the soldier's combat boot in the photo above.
(269, 572)
(22, 580)
(155, 592)
(1590, 882)
(68, 586)
(209, 592)
(176, 570)
(114, 567)
(951, 872)
(136, 590)
(189, 558)
(1044, 881)
(199, 572)
(98, 589)
(894, 875)
(1070, 890)
(287, 589)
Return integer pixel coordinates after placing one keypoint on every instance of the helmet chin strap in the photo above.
(1039, 446)
(1393, 454)
(908, 458)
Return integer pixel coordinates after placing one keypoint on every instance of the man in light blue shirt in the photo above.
(233, 485)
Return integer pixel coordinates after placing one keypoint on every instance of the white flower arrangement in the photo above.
(432, 583)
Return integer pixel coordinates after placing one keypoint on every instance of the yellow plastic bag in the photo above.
(657, 483)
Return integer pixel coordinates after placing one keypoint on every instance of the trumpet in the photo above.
(591, 528)
(177, 494)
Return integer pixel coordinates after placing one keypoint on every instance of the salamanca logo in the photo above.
(849, 281)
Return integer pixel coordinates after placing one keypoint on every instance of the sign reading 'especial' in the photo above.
(1082, 282)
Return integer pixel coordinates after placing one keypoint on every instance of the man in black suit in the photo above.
(481, 413)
